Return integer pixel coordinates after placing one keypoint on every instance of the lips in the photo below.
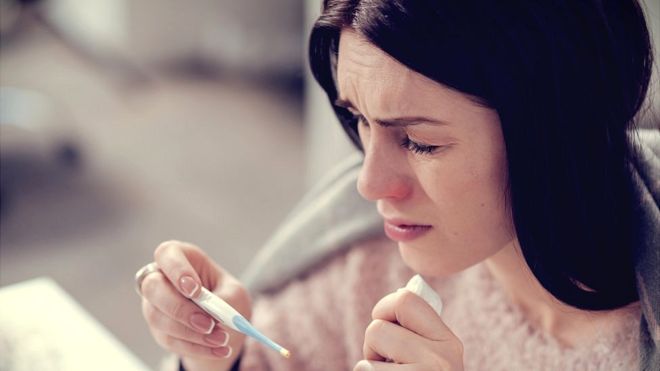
(402, 230)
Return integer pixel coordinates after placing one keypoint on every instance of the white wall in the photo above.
(252, 36)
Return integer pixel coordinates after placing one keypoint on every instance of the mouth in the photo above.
(401, 230)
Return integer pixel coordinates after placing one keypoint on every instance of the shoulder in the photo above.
(646, 161)
(646, 190)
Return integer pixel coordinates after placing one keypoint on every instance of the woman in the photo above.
(498, 149)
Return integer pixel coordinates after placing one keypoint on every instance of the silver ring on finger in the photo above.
(142, 273)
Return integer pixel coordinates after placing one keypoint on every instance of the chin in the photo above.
(427, 263)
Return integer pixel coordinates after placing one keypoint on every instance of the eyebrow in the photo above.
(398, 121)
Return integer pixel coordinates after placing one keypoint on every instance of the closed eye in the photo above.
(406, 142)
(418, 148)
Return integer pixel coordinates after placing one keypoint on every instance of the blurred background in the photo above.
(126, 123)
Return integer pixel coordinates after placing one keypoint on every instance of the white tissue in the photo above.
(418, 286)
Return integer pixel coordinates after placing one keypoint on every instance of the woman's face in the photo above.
(434, 161)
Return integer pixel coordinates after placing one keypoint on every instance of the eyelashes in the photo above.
(418, 148)
(406, 142)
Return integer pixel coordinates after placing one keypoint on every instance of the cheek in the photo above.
(468, 197)
(470, 221)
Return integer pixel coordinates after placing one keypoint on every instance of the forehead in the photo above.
(361, 61)
(379, 84)
(359, 58)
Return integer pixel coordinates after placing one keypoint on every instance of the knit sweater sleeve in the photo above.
(321, 316)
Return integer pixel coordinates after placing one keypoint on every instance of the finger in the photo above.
(161, 322)
(413, 313)
(365, 365)
(187, 349)
(386, 340)
(159, 292)
(173, 259)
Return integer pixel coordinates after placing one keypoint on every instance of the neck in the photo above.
(569, 325)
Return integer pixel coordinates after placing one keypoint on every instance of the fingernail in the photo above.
(202, 323)
(363, 366)
(219, 337)
(224, 352)
(188, 286)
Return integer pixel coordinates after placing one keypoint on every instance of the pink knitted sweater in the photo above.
(321, 318)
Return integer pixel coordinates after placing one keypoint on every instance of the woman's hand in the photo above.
(176, 323)
(407, 334)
